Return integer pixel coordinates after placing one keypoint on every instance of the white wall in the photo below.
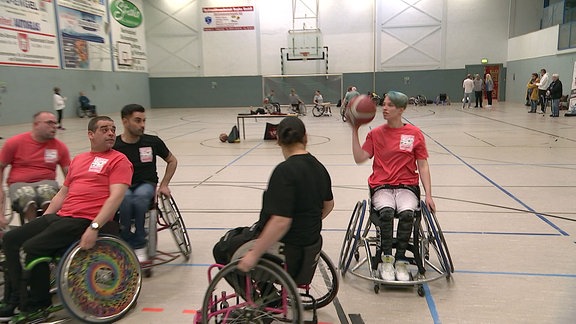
(537, 44)
(471, 30)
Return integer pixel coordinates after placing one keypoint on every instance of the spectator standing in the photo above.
(468, 86)
(542, 88)
(555, 93)
(478, 86)
(489, 86)
(59, 103)
(532, 89)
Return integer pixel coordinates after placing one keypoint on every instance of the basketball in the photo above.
(223, 137)
(361, 110)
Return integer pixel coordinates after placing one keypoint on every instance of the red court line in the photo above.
(189, 311)
(150, 309)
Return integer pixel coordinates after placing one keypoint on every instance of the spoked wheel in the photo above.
(324, 285)
(255, 298)
(172, 215)
(438, 241)
(343, 113)
(352, 236)
(318, 111)
(101, 284)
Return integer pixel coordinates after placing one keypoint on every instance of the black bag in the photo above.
(232, 240)
(270, 132)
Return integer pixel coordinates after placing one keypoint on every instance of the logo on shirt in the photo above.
(97, 164)
(407, 143)
(50, 155)
(146, 154)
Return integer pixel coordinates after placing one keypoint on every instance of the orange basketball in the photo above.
(361, 110)
(223, 137)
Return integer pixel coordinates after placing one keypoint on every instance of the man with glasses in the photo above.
(33, 157)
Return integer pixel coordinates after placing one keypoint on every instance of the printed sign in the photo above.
(228, 18)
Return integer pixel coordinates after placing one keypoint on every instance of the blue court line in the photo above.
(431, 304)
(509, 194)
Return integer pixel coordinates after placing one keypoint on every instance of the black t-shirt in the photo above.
(142, 154)
(297, 189)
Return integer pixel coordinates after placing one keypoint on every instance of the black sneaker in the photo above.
(39, 315)
(7, 311)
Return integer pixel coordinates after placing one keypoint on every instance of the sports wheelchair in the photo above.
(99, 285)
(322, 109)
(268, 293)
(165, 215)
(427, 239)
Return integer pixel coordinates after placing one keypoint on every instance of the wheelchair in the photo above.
(271, 108)
(268, 293)
(165, 215)
(99, 285)
(322, 109)
(427, 240)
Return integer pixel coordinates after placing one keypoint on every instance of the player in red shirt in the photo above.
(33, 157)
(91, 194)
(399, 159)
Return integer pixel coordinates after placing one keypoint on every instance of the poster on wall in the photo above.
(228, 18)
(128, 36)
(28, 34)
(83, 35)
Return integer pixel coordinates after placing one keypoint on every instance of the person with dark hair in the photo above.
(59, 103)
(400, 157)
(85, 105)
(141, 149)
(33, 158)
(88, 200)
(297, 199)
(542, 88)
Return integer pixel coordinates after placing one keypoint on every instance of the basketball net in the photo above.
(304, 56)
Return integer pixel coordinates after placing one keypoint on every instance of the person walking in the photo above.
(59, 103)
(468, 86)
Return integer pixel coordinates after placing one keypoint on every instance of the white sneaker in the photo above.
(387, 268)
(402, 271)
(141, 254)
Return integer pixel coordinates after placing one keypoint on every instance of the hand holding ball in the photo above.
(361, 110)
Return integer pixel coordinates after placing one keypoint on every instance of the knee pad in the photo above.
(382, 216)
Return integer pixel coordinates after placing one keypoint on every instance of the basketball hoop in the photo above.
(304, 56)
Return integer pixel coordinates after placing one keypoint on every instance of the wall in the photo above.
(29, 90)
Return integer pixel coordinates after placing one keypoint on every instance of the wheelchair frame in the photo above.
(321, 109)
(165, 215)
(426, 237)
(320, 292)
(99, 285)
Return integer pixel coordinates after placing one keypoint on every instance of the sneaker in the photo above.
(402, 273)
(376, 274)
(141, 254)
(36, 316)
(7, 311)
(540, 112)
(387, 268)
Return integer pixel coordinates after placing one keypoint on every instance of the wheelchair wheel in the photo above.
(343, 113)
(172, 215)
(99, 285)
(352, 236)
(257, 296)
(318, 110)
(437, 240)
(324, 285)
(302, 109)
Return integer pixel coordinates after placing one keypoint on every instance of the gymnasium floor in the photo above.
(503, 183)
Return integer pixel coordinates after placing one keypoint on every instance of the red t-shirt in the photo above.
(89, 180)
(395, 151)
(32, 161)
